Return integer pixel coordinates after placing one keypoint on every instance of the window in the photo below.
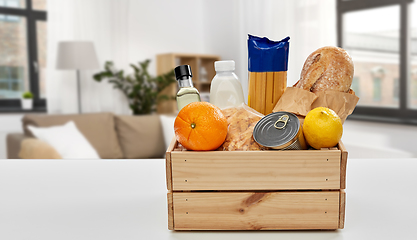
(381, 37)
(356, 86)
(396, 89)
(22, 52)
(414, 88)
(10, 81)
(377, 89)
(12, 3)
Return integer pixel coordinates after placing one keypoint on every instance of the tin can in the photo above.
(281, 131)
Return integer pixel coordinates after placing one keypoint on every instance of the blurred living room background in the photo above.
(380, 36)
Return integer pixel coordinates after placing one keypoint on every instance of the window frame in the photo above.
(32, 16)
(403, 114)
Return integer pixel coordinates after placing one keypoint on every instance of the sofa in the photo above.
(112, 136)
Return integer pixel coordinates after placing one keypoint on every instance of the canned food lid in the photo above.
(277, 130)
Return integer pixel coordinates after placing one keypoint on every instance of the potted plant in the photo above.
(141, 89)
(27, 100)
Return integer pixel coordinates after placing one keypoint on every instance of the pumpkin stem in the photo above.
(192, 125)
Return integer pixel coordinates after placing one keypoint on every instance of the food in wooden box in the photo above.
(327, 68)
(267, 65)
(322, 128)
(200, 126)
(241, 122)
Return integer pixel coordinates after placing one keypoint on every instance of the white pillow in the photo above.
(167, 128)
(67, 140)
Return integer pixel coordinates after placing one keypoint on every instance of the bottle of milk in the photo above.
(226, 90)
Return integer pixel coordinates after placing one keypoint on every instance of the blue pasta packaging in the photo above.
(267, 66)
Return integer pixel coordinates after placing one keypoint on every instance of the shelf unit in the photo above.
(167, 62)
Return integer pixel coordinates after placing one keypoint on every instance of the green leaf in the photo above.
(27, 95)
(140, 88)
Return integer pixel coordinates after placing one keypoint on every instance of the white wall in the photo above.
(188, 26)
(153, 27)
(310, 25)
(164, 26)
(223, 35)
(134, 30)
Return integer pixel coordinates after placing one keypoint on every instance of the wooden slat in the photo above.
(168, 166)
(343, 164)
(172, 145)
(342, 209)
(255, 170)
(191, 55)
(170, 211)
(256, 211)
(179, 148)
(165, 63)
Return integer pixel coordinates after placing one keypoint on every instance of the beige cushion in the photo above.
(98, 128)
(140, 136)
(33, 148)
(14, 143)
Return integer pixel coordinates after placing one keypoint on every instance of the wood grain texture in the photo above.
(255, 170)
(170, 211)
(168, 167)
(343, 164)
(256, 210)
(342, 209)
(165, 63)
(168, 170)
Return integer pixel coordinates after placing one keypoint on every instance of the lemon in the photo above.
(322, 128)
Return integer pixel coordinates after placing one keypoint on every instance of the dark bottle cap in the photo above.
(182, 72)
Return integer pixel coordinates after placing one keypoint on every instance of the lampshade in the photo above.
(79, 55)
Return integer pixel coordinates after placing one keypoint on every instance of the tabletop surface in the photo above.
(126, 199)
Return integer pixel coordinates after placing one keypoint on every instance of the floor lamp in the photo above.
(77, 55)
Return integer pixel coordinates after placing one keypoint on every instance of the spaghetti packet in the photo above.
(267, 65)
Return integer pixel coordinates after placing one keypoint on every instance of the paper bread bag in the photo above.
(300, 102)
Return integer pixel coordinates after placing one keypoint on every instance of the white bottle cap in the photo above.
(228, 65)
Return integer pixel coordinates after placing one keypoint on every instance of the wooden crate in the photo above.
(253, 190)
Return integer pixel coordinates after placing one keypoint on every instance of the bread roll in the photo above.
(327, 68)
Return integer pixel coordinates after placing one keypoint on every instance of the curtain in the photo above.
(311, 24)
(105, 23)
(224, 26)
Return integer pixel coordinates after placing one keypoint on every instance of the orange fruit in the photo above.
(200, 126)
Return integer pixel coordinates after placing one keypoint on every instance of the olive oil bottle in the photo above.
(187, 92)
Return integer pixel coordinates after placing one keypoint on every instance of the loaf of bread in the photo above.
(327, 68)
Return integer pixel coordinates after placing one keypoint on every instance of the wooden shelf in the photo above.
(168, 61)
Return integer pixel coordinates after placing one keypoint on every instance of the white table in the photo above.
(126, 199)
